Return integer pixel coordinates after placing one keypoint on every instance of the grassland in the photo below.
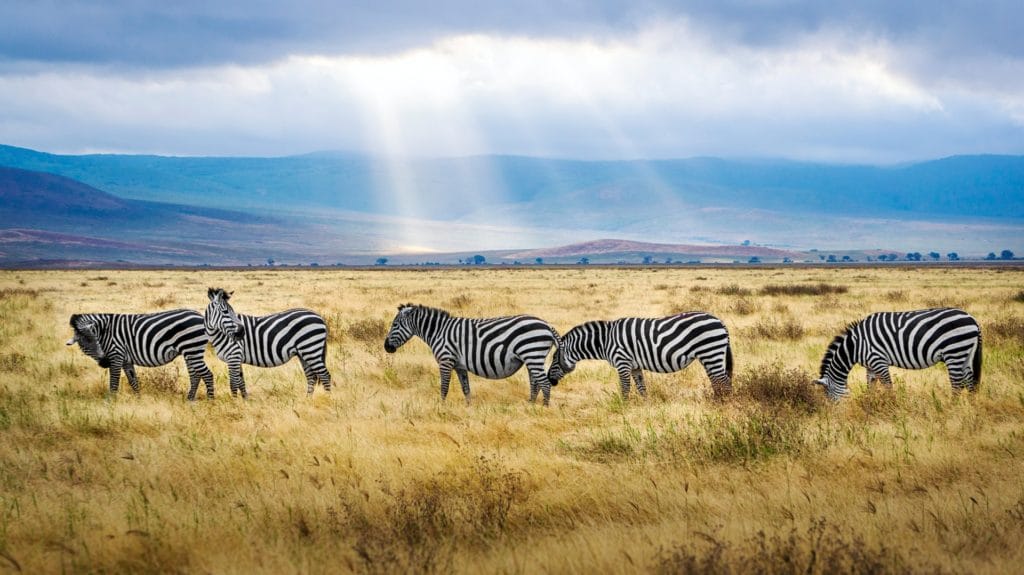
(380, 476)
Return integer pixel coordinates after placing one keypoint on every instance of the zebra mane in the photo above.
(834, 346)
(214, 292)
(74, 319)
(414, 306)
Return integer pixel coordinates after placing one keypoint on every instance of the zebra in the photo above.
(909, 340)
(122, 341)
(494, 348)
(266, 341)
(663, 345)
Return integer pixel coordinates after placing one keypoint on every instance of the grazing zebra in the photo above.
(122, 341)
(494, 348)
(266, 341)
(909, 340)
(662, 345)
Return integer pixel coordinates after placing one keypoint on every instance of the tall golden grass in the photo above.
(380, 476)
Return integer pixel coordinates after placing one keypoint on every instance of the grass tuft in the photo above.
(775, 386)
(773, 329)
(803, 289)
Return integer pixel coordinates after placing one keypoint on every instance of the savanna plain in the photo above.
(381, 476)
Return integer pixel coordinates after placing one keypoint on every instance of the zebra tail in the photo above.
(976, 364)
(728, 361)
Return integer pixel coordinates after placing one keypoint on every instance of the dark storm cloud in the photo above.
(189, 33)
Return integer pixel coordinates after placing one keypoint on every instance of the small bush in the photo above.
(1019, 298)
(788, 329)
(750, 435)
(162, 301)
(822, 548)
(369, 331)
(733, 289)
(774, 386)
(161, 379)
(1008, 328)
(896, 296)
(744, 306)
(803, 289)
(13, 362)
(8, 293)
(459, 302)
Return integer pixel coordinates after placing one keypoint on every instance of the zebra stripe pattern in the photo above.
(909, 340)
(662, 345)
(267, 341)
(494, 348)
(122, 341)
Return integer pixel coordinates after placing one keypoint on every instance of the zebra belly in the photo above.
(163, 356)
(501, 371)
(672, 365)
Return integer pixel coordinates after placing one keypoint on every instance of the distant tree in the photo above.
(382, 261)
(668, 260)
(882, 257)
(270, 261)
(479, 259)
(746, 242)
(584, 261)
(869, 258)
(648, 260)
(831, 259)
(1006, 255)
(847, 259)
(754, 260)
(538, 261)
(953, 256)
(314, 265)
(787, 260)
(914, 257)
(822, 258)
(990, 256)
(934, 255)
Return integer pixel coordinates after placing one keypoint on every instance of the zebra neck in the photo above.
(589, 340)
(431, 328)
(842, 359)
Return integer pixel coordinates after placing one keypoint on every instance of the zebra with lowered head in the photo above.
(266, 341)
(908, 340)
(122, 341)
(494, 348)
(662, 345)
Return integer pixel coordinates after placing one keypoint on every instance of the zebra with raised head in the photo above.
(662, 345)
(122, 341)
(905, 339)
(266, 341)
(494, 348)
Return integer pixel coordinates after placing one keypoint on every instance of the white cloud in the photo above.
(669, 90)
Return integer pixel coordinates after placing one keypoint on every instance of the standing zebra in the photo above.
(494, 348)
(122, 341)
(662, 345)
(909, 340)
(266, 341)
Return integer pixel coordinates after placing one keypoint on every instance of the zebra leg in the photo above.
(464, 382)
(539, 382)
(624, 374)
(325, 378)
(133, 380)
(115, 378)
(310, 376)
(237, 380)
(195, 373)
(446, 379)
(882, 374)
(960, 374)
(641, 387)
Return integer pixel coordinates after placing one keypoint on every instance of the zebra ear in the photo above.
(211, 293)
(74, 319)
(819, 382)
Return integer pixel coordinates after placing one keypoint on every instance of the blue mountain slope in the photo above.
(962, 186)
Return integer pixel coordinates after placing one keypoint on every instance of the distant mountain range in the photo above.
(333, 207)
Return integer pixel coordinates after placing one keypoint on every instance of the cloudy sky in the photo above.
(870, 81)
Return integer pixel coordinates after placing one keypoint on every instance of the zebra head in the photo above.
(835, 367)
(402, 328)
(220, 316)
(564, 360)
(87, 336)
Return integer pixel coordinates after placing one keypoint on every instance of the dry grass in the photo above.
(381, 477)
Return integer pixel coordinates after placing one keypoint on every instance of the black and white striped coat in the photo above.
(267, 341)
(494, 348)
(122, 341)
(909, 340)
(662, 345)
